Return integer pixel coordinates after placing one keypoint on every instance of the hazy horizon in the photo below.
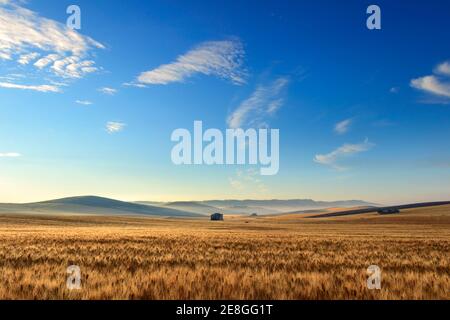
(228, 199)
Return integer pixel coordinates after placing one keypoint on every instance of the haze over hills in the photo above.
(92, 205)
(260, 207)
(203, 208)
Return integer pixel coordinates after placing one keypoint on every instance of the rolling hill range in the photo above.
(94, 206)
(260, 207)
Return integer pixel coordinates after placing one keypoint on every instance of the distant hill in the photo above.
(92, 205)
(204, 208)
(242, 209)
(261, 207)
(298, 203)
(376, 209)
(275, 206)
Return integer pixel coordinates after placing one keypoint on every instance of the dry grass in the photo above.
(255, 258)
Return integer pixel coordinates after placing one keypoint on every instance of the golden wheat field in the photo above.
(288, 257)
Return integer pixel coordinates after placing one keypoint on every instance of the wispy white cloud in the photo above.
(27, 58)
(45, 61)
(331, 159)
(10, 155)
(12, 77)
(394, 90)
(433, 85)
(443, 68)
(84, 102)
(114, 127)
(343, 126)
(248, 180)
(25, 35)
(236, 184)
(5, 56)
(133, 84)
(107, 90)
(263, 102)
(223, 59)
(73, 67)
(436, 84)
(39, 88)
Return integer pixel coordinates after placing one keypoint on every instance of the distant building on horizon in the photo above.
(217, 217)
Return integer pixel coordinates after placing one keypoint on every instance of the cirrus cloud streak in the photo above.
(262, 103)
(114, 127)
(343, 126)
(10, 155)
(331, 159)
(39, 88)
(435, 84)
(223, 59)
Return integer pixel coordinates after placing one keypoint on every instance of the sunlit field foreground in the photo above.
(289, 257)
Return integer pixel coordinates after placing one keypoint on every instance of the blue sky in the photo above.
(363, 114)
